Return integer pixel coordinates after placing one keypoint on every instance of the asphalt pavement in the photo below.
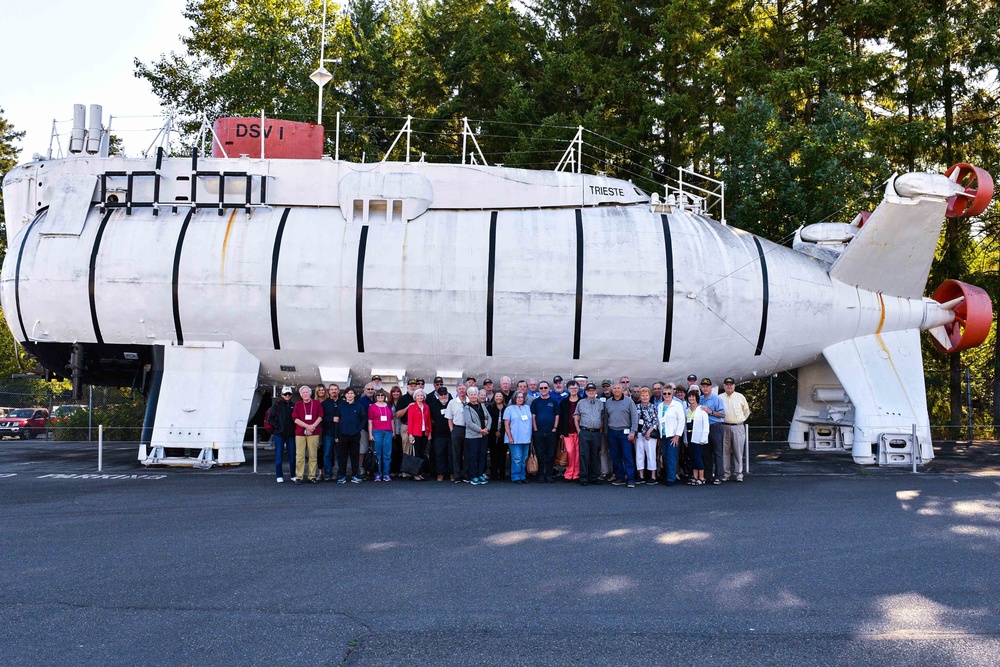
(812, 561)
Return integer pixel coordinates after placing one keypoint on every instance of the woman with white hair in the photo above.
(477, 426)
(419, 426)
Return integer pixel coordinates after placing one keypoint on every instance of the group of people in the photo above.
(622, 434)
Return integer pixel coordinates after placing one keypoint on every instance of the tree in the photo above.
(11, 356)
(240, 57)
(8, 159)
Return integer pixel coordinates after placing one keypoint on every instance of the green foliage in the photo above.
(8, 158)
(803, 107)
(122, 422)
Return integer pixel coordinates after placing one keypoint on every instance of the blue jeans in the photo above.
(284, 444)
(383, 450)
(475, 457)
(621, 455)
(670, 458)
(518, 455)
(327, 455)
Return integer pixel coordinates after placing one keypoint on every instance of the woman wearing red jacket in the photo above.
(419, 425)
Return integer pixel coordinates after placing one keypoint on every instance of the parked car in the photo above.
(24, 423)
(62, 412)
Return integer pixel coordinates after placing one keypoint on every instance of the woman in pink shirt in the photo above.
(380, 417)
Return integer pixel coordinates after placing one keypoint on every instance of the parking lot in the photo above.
(812, 561)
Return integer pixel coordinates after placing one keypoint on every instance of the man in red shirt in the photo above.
(308, 416)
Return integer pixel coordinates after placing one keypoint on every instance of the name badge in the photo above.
(309, 418)
(524, 418)
(384, 418)
(625, 431)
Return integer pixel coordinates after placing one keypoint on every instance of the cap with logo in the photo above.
(692, 378)
(729, 381)
(470, 378)
(411, 382)
(286, 390)
(376, 377)
(439, 379)
(442, 391)
(706, 382)
(557, 378)
(591, 385)
(487, 381)
(606, 383)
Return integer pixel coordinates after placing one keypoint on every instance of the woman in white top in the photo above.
(697, 432)
(670, 414)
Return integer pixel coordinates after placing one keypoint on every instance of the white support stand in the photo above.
(204, 404)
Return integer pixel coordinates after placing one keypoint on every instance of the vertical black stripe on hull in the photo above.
(93, 275)
(668, 249)
(490, 278)
(275, 253)
(578, 321)
(17, 275)
(175, 277)
(765, 299)
(360, 290)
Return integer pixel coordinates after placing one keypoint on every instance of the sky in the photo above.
(55, 53)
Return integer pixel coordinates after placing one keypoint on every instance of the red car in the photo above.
(24, 423)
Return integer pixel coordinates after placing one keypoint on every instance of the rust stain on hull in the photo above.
(881, 317)
(225, 241)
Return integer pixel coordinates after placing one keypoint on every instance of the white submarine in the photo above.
(207, 280)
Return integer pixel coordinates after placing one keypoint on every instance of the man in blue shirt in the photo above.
(716, 409)
(545, 420)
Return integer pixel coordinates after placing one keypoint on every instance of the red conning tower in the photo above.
(282, 138)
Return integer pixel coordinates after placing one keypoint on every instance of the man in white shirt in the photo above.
(733, 430)
(456, 422)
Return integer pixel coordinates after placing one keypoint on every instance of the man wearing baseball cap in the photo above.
(734, 431)
(712, 404)
(400, 407)
(558, 389)
(589, 417)
(280, 419)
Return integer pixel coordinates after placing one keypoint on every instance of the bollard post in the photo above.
(746, 449)
(916, 449)
(90, 416)
(255, 448)
(100, 447)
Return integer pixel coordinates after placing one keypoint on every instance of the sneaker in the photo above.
(652, 482)
(484, 480)
(341, 480)
(640, 481)
(314, 480)
(617, 482)
(467, 481)
(440, 478)
(386, 478)
(716, 482)
(355, 480)
(739, 478)
(296, 480)
(280, 480)
(631, 485)
(378, 478)
(475, 481)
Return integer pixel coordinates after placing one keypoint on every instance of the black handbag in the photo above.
(412, 465)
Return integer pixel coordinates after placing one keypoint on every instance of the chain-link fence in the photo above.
(772, 402)
(33, 408)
